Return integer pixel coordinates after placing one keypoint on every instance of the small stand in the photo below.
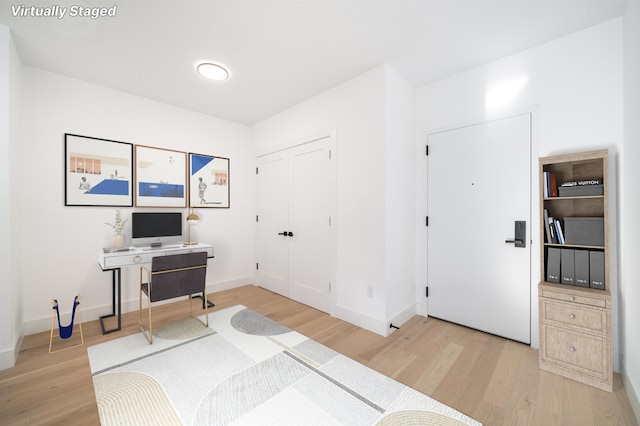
(64, 332)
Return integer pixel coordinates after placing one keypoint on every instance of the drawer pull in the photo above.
(572, 349)
(137, 259)
(573, 299)
(572, 316)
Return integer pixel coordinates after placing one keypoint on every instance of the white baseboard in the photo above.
(632, 386)
(375, 325)
(421, 308)
(39, 325)
(361, 320)
(9, 356)
(403, 316)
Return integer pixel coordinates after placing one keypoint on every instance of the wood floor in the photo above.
(493, 380)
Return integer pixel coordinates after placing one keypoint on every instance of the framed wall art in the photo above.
(98, 172)
(208, 181)
(161, 177)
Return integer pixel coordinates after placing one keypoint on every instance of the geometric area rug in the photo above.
(246, 369)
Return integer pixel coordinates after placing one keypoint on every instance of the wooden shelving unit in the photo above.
(575, 322)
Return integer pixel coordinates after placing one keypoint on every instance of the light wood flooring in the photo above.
(493, 380)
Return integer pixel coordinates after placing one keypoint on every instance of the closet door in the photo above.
(294, 223)
(273, 206)
(309, 274)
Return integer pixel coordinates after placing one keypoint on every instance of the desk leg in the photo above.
(210, 304)
(116, 279)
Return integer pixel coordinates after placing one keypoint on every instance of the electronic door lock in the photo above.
(520, 231)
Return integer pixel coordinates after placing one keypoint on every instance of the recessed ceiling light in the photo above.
(212, 71)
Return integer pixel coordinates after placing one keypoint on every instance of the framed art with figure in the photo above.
(161, 177)
(208, 181)
(98, 172)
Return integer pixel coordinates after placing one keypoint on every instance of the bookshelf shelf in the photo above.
(575, 321)
(578, 246)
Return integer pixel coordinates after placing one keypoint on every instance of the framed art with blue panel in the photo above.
(98, 172)
(208, 181)
(161, 177)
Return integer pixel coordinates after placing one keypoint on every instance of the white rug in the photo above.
(248, 370)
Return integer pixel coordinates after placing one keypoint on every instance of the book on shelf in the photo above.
(559, 232)
(550, 185)
(547, 232)
(553, 186)
(587, 182)
(545, 182)
(552, 231)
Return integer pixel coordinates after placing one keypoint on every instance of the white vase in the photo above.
(118, 241)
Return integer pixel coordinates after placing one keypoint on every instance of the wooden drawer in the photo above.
(127, 260)
(574, 315)
(192, 250)
(582, 353)
(572, 298)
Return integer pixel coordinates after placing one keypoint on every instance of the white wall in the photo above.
(357, 110)
(9, 321)
(629, 313)
(400, 201)
(575, 85)
(57, 246)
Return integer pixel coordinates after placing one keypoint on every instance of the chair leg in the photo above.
(148, 336)
(150, 325)
(206, 308)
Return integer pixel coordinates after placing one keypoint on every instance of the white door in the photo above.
(273, 205)
(294, 223)
(478, 185)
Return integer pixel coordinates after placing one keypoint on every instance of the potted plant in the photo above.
(118, 227)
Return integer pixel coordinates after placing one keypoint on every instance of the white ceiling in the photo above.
(283, 52)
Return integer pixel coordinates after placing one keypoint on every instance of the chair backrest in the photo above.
(178, 275)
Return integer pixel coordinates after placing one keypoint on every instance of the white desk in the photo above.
(113, 261)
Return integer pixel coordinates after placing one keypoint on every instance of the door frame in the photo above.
(421, 243)
(332, 143)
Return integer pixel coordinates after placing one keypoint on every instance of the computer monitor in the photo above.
(156, 228)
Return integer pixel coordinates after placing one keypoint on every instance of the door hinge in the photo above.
(256, 218)
(426, 150)
(257, 266)
(256, 170)
(329, 220)
(329, 154)
(426, 222)
(426, 291)
(329, 287)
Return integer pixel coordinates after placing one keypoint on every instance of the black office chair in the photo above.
(173, 276)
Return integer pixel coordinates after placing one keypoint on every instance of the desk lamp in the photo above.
(192, 220)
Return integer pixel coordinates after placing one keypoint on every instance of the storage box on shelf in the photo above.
(575, 320)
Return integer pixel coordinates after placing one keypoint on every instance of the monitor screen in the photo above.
(156, 227)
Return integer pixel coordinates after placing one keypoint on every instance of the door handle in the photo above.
(286, 234)
(283, 233)
(520, 232)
